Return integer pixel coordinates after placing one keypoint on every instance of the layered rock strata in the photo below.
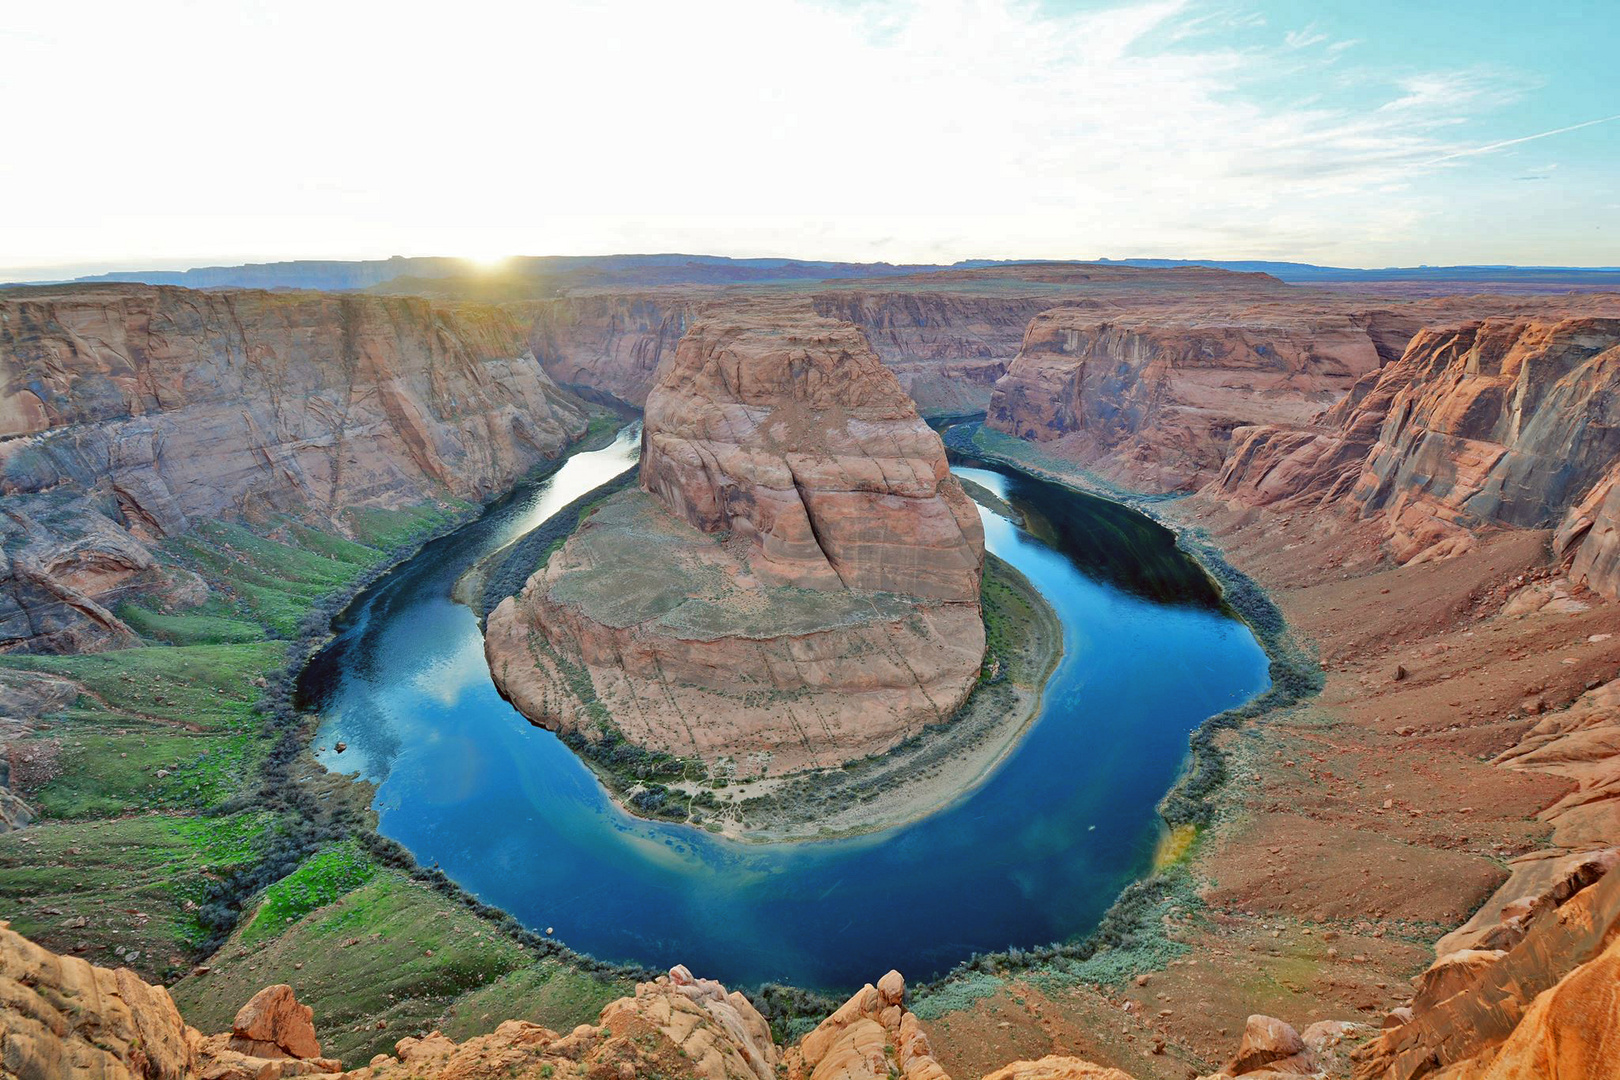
(785, 430)
(128, 413)
(607, 343)
(1151, 401)
(796, 585)
(1501, 422)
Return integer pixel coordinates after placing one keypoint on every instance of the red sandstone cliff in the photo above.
(127, 413)
(606, 343)
(787, 429)
(1151, 401)
(1502, 422)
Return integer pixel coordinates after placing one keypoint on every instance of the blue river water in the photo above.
(1034, 854)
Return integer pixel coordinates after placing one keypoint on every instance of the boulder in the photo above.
(273, 1024)
(1056, 1067)
(1272, 1045)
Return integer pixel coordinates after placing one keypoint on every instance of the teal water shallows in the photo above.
(1034, 854)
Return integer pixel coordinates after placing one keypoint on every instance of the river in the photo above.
(1033, 854)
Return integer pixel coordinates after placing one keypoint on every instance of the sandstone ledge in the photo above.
(643, 622)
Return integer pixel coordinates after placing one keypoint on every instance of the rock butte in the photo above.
(796, 585)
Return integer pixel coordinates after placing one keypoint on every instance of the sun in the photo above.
(486, 260)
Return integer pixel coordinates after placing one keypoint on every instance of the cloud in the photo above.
(918, 129)
(1304, 39)
(1503, 144)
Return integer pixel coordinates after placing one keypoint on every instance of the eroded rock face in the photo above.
(798, 584)
(1570, 1031)
(872, 1036)
(786, 428)
(128, 413)
(691, 653)
(1462, 1018)
(1501, 422)
(1589, 537)
(1152, 400)
(607, 343)
(63, 1019)
(947, 350)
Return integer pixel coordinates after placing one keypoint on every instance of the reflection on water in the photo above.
(1034, 854)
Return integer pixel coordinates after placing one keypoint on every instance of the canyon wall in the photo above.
(606, 343)
(798, 582)
(947, 350)
(127, 414)
(1151, 401)
(1503, 422)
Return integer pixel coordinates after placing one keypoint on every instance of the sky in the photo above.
(173, 133)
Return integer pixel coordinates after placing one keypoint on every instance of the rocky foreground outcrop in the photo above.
(129, 413)
(796, 586)
(1500, 422)
(63, 1019)
(1540, 999)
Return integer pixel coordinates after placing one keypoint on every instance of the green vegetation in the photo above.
(393, 951)
(551, 993)
(177, 797)
(956, 994)
(273, 582)
(1016, 625)
(210, 623)
(390, 530)
(321, 879)
(126, 890)
(206, 687)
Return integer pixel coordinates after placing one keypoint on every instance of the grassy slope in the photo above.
(393, 952)
(152, 795)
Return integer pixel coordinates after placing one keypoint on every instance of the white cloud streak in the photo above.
(1503, 144)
